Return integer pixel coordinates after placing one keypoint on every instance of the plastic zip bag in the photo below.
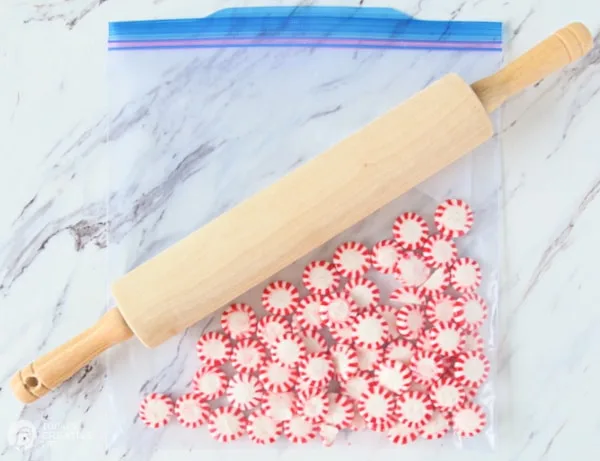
(206, 112)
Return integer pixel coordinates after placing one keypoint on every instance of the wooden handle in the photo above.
(561, 48)
(51, 370)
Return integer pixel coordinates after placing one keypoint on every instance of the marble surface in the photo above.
(55, 260)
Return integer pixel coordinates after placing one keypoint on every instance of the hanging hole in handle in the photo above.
(31, 382)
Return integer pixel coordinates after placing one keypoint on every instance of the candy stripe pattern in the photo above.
(213, 348)
(156, 410)
(320, 277)
(410, 231)
(453, 218)
(226, 424)
(280, 298)
(385, 256)
(239, 321)
(352, 259)
(191, 411)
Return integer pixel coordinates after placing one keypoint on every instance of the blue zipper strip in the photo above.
(306, 26)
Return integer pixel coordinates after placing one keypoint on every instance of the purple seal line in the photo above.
(329, 42)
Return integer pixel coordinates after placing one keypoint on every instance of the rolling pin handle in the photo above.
(560, 49)
(47, 372)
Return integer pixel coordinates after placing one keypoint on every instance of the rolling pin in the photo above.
(303, 210)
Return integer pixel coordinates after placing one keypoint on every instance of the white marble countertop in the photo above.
(53, 239)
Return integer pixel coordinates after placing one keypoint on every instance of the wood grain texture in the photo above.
(561, 48)
(303, 210)
(52, 369)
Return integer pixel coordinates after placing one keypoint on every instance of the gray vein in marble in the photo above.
(25, 208)
(56, 315)
(551, 441)
(156, 197)
(19, 254)
(152, 384)
(560, 242)
(519, 27)
(324, 113)
(456, 11)
(48, 13)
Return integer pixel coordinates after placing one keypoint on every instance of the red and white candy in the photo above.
(453, 218)
(328, 433)
(385, 256)
(338, 309)
(320, 277)
(239, 321)
(377, 406)
(363, 292)
(408, 295)
(414, 409)
(399, 350)
(369, 359)
(355, 386)
(210, 382)
(308, 313)
(471, 368)
(437, 283)
(288, 350)
(439, 251)
(426, 367)
(156, 410)
(370, 330)
(412, 270)
(345, 361)
(279, 406)
(312, 405)
(299, 430)
(471, 311)
(468, 420)
(447, 339)
(313, 340)
(465, 275)
(277, 377)
(272, 327)
(447, 394)
(341, 411)
(401, 434)
(352, 259)
(245, 392)
(410, 231)
(390, 314)
(342, 333)
(436, 428)
(280, 298)
(441, 308)
(263, 429)
(473, 342)
(227, 424)
(316, 370)
(191, 411)
(247, 356)
(411, 321)
(394, 376)
(213, 348)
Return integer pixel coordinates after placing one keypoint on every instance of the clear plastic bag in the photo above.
(206, 112)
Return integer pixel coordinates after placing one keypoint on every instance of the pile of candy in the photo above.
(339, 359)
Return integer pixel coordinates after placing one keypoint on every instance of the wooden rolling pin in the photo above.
(301, 211)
